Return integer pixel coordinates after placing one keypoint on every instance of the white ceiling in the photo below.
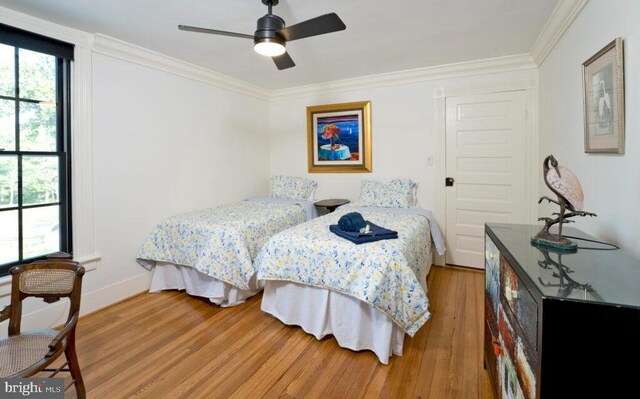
(381, 36)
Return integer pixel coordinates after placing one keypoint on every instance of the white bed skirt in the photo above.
(169, 276)
(356, 325)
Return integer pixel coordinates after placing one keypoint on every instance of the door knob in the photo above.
(449, 181)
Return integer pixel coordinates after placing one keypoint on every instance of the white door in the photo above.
(486, 157)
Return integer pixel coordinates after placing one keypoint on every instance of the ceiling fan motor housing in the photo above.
(271, 34)
(267, 30)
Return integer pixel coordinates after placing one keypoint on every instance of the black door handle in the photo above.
(449, 181)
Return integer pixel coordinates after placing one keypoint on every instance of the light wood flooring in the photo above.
(171, 345)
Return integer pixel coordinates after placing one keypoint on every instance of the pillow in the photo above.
(312, 195)
(292, 187)
(397, 193)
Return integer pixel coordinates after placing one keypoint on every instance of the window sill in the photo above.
(89, 262)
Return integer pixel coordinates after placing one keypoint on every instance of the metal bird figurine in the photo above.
(564, 183)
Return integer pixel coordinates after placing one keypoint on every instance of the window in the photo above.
(35, 192)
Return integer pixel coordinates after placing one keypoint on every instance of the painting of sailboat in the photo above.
(339, 137)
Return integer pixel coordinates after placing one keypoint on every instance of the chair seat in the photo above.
(18, 352)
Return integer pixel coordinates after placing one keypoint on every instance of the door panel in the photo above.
(486, 157)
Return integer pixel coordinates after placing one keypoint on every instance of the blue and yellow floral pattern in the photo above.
(292, 187)
(220, 242)
(396, 193)
(381, 273)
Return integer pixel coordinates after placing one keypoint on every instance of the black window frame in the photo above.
(63, 52)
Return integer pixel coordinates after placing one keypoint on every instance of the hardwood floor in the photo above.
(171, 345)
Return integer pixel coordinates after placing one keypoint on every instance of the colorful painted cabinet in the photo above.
(510, 329)
(559, 325)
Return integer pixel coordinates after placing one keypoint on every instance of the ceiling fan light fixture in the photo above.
(269, 48)
(272, 34)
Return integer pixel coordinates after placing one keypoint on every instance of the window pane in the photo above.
(8, 182)
(39, 180)
(7, 71)
(7, 125)
(37, 127)
(37, 80)
(9, 236)
(41, 231)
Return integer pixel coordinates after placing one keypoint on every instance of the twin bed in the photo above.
(367, 296)
(211, 253)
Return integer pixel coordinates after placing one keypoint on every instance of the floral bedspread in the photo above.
(221, 242)
(384, 274)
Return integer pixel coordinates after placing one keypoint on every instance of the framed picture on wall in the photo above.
(339, 138)
(603, 87)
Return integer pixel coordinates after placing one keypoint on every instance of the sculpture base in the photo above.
(548, 240)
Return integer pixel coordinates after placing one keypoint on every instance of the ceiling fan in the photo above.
(271, 35)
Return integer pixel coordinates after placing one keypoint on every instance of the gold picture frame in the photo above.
(339, 138)
(603, 89)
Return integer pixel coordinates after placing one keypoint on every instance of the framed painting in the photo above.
(603, 87)
(339, 138)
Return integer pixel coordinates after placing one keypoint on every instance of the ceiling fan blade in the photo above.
(284, 61)
(214, 32)
(312, 27)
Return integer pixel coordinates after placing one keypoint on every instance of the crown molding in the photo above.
(112, 47)
(106, 45)
(561, 18)
(468, 68)
(559, 21)
(46, 28)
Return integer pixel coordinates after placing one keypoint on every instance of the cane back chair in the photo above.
(23, 354)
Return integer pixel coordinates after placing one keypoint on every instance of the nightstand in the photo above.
(331, 204)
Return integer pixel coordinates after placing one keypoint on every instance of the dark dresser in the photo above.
(560, 325)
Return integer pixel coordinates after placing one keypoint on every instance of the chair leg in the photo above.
(74, 366)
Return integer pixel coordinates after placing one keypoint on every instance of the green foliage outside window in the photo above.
(37, 127)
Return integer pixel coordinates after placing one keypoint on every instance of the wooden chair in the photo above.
(23, 354)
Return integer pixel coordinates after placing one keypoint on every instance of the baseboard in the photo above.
(137, 294)
(463, 268)
(56, 314)
(113, 293)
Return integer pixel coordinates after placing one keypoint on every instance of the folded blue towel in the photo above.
(377, 233)
(352, 221)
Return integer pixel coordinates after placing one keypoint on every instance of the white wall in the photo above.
(165, 144)
(611, 183)
(403, 134)
(162, 144)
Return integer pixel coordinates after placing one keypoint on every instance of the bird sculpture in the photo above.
(566, 186)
